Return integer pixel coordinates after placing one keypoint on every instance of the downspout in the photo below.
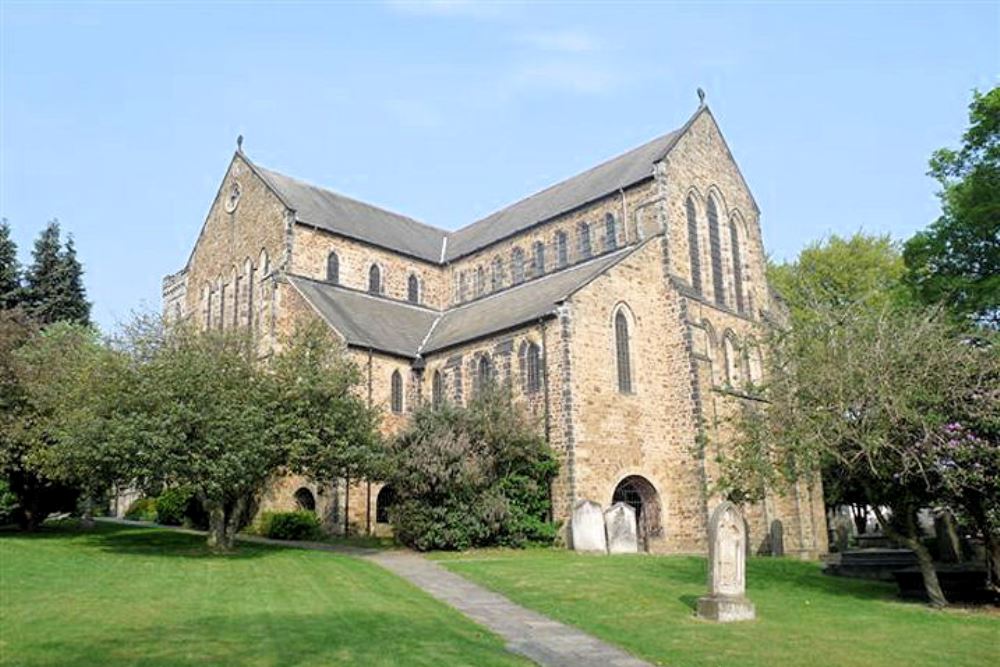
(545, 397)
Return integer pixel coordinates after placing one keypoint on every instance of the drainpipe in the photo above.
(545, 397)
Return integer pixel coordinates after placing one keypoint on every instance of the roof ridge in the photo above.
(366, 294)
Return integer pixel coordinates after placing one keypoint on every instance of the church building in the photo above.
(624, 305)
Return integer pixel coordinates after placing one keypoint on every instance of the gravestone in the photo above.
(777, 538)
(587, 527)
(842, 533)
(727, 537)
(949, 544)
(622, 530)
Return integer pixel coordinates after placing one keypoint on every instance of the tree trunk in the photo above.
(860, 518)
(991, 542)
(912, 539)
(224, 520)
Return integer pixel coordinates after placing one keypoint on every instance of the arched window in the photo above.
(237, 288)
(622, 353)
(711, 345)
(437, 389)
(732, 361)
(715, 248)
(734, 243)
(375, 279)
(385, 499)
(250, 291)
(497, 277)
(480, 281)
(208, 306)
(223, 287)
(305, 500)
(517, 266)
(397, 392)
(332, 268)
(562, 251)
(531, 367)
(610, 233)
(693, 249)
(484, 373)
(755, 363)
(413, 289)
(583, 234)
(538, 260)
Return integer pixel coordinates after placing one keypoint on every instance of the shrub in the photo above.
(172, 505)
(290, 525)
(472, 476)
(143, 509)
(8, 503)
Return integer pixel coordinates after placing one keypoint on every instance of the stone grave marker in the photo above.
(622, 530)
(727, 537)
(777, 538)
(587, 527)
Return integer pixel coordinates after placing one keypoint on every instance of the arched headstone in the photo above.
(622, 529)
(587, 527)
(777, 538)
(727, 539)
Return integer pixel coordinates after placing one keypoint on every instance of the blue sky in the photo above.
(120, 119)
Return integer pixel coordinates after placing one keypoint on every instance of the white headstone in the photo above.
(623, 534)
(727, 539)
(587, 527)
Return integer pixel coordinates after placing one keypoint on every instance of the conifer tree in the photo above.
(53, 287)
(10, 269)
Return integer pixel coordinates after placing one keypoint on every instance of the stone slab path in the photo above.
(546, 642)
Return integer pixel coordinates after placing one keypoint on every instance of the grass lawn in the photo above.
(646, 605)
(146, 596)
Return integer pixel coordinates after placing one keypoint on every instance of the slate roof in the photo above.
(409, 331)
(334, 212)
(368, 321)
(617, 173)
(328, 210)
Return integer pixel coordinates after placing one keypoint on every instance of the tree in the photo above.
(865, 391)
(956, 261)
(839, 273)
(37, 368)
(10, 269)
(319, 412)
(53, 289)
(471, 476)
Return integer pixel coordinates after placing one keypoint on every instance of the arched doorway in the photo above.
(383, 501)
(637, 491)
(305, 500)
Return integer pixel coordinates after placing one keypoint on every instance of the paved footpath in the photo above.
(528, 633)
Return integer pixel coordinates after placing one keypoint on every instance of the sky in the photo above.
(119, 119)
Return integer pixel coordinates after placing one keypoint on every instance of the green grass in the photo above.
(127, 596)
(646, 605)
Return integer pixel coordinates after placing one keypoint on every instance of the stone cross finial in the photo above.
(727, 542)
(701, 96)
(239, 143)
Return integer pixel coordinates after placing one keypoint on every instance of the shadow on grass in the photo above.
(136, 540)
(361, 637)
(690, 601)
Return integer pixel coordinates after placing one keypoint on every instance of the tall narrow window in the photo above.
(208, 307)
(332, 268)
(484, 373)
(237, 286)
(222, 305)
(715, 248)
(437, 389)
(532, 368)
(480, 281)
(610, 233)
(463, 286)
(413, 289)
(397, 392)
(694, 251)
(622, 354)
(517, 266)
(497, 277)
(585, 249)
(538, 261)
(731, 353)
(562, 251)
(734, 243)
(375, 279)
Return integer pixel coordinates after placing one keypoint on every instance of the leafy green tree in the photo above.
(865, 391)
(471, 476)
(841, 272)
(10, 269)
(319, 412)
(53, 287)
(956, 260)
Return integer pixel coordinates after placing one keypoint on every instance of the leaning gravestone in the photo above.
(619, 521)
(777, 538)
(588, 527)
(726, 600)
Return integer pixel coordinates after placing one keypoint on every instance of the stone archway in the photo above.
(641, 495)
(305, 500)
